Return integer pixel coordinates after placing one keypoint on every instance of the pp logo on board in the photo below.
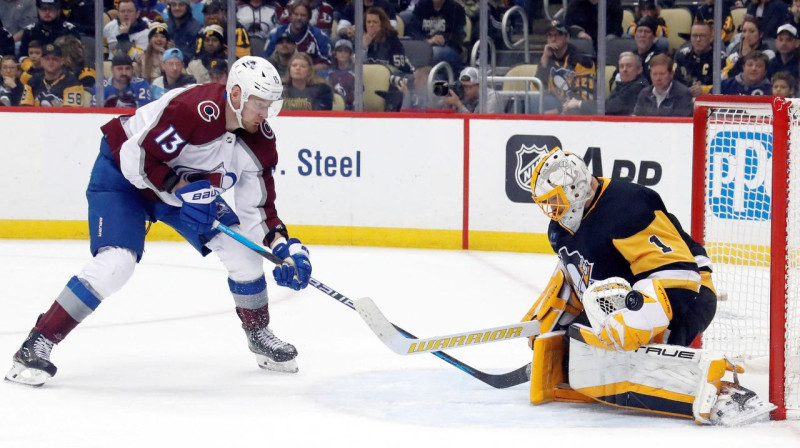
(740, 175)
(521, 153)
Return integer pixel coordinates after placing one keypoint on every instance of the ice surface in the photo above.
(165, 363)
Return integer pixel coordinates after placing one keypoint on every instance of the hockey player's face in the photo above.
(255, 112)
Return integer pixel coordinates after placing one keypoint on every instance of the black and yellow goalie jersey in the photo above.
(627, 232)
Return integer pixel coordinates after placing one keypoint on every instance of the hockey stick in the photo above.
(499, 381)
(389, 335)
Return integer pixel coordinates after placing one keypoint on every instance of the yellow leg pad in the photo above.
(638, 396)
(547, 369)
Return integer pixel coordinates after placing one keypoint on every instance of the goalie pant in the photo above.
(659, 378)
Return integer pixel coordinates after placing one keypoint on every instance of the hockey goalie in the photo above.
(630, 293)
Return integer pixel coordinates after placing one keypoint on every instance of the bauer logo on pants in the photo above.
(521, 152)
(739, 181)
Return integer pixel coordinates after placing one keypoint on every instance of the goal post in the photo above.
(746, 212)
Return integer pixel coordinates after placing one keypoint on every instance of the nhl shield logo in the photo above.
(526, 163)
(521, 154)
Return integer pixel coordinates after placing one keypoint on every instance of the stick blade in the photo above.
(379, 324)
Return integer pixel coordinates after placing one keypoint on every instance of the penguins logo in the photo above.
(267, 131)
(208, 111)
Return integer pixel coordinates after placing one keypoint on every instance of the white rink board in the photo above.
(411, 172)
(669, 145)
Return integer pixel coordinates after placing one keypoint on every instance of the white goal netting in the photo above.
(738, 208)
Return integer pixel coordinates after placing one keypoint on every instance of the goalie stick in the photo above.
(389, 335)
(499, 381)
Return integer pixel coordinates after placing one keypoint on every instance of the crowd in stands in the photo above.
(153, 46)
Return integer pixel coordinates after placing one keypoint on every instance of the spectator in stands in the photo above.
(441, 23)
(750, 39)
(48, 28)
(6, 41)
(81, 14)
(32, 65)
(705, 13)
(770, 15)
(753, 78)
(342, 78)
(581, 17)
(382, 44)
(566, 72)
(650, 8)
(794, 11)
(152, 10)
(284, 50)
(470, 101)
(416, 95)
(218, 71)
(645, 42)
(667, 98)
(123, 89)
(74, 55)
(625, 87)
(183, 27)
(11, 89)
(213, 48)
(303, 89)
(784, 85)
(127, 31)
(55, 86)
(15, 15)
(173, 76)
(624, 93)
(150, 61)
(259, 17)
(346, 27)
(788, 54)
(320, 15)
(308, 39)
(216, 13)
(694, 64)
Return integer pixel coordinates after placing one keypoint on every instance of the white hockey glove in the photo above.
(622, 318)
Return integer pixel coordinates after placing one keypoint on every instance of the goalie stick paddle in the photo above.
(499, 381)
(401, 345)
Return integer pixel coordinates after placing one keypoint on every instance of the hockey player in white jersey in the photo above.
(170, 162)
(630, 293)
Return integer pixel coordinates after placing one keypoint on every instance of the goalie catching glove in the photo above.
(622, 318)
(296, 268)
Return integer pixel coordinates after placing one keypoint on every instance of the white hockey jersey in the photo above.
(182, 135)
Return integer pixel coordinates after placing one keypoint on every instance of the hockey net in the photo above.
(746, 212)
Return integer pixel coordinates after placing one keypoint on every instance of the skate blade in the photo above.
(21, 374)
(285, 367)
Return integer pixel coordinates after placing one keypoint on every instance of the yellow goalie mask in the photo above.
(561, 186)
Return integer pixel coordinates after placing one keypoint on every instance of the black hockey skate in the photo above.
(271, 352)
(32, 365)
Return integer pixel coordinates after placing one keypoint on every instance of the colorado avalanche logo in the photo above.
(267, 131)
(527, 156)
(208, 111)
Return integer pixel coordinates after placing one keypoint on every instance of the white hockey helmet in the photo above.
(255, 76)
(562, 186)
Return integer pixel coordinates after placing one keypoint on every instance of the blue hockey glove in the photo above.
(199, 209)
(296, 268)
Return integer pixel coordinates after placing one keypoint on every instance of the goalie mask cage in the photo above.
(746, 212)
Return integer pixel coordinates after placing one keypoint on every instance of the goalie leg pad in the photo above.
(547, 371)
(658, 378)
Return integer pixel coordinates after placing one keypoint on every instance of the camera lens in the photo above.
(440, 88)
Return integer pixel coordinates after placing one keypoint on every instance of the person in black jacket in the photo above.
(583, 14)
(625, 88)
(441, 23)
(11, 88)
(48, 28)
(770, 14)
(667, 98)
